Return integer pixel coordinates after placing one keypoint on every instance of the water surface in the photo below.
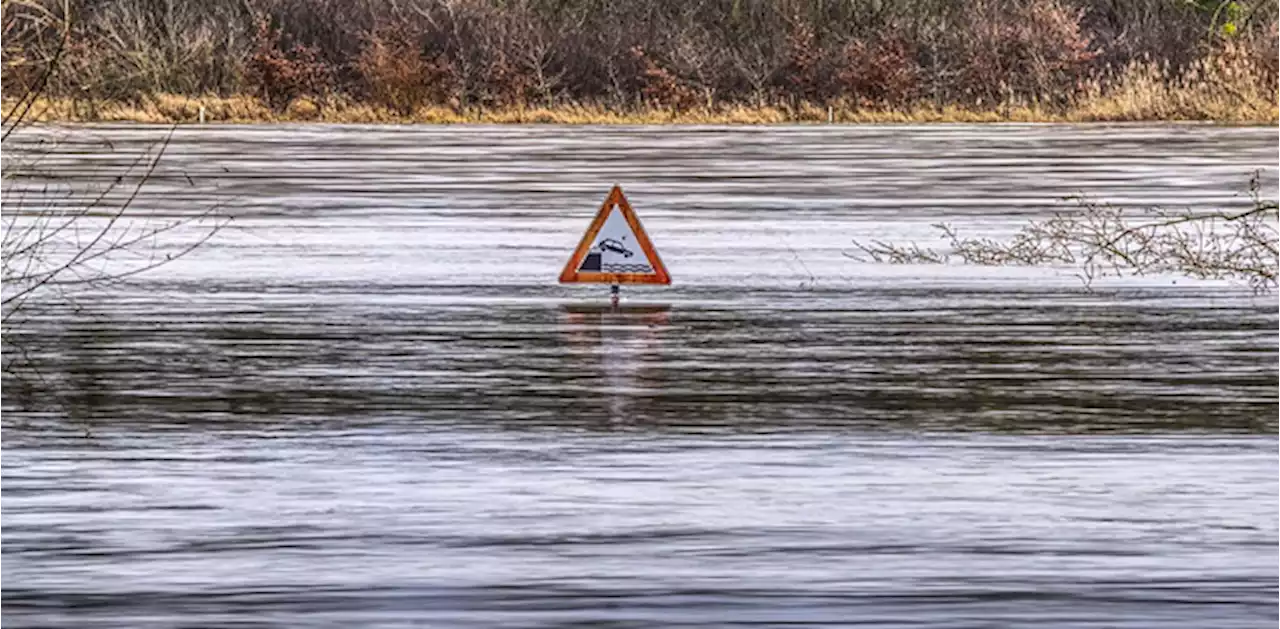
(366, 402)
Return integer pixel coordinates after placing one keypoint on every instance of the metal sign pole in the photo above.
(614, 293)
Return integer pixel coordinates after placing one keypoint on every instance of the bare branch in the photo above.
(74, 235)
(1102, 240)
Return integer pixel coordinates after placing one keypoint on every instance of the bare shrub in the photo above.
(127, 49)
(546, 70)
(1124, 32)
(35, 39)
(1266, 50)
(1102, 240)
(507, 78)
(333, 30)
(759, 61)
(60, 235)
(1263, 51)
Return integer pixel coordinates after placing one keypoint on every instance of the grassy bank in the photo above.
(1141, 94)
(646, 61)
(167, 109)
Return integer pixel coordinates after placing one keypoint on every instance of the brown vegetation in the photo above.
(713, 60)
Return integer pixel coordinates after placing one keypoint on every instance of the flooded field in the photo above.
(366, 401)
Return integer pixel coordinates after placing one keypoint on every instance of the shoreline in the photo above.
(176, 109)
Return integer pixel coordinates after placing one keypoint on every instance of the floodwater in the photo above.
(366, 402)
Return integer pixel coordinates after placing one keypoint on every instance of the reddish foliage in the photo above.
(882, 72)
(1035, 50)
(507, 81)
(280, 74)
(805, 70)
(659, 86)
(398, 73)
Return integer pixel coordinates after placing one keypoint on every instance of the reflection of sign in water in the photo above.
(607, 253)
(614, 348)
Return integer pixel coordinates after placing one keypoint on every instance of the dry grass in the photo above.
(1226, 87)
(161, 108)
(1214, 89)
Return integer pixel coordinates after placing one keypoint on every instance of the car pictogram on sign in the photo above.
(609, 244)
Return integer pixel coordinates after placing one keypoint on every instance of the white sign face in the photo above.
(615, 249)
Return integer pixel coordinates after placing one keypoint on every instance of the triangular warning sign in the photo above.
(615, 249)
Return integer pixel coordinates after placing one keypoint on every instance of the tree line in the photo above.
(678, 54)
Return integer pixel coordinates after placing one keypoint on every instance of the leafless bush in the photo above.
(758, 62)
(1263, 46)
(539, 54)
(1102, 240)
(136, 48)
(61, 234)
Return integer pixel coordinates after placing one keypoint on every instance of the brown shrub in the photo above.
(1035, 51)
(661, 87)
(882, 72)
(1261, 49)
(506, 79)
(130, 49)
(33, 45)
(807, 72)
(278, 73)
(398, 74)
